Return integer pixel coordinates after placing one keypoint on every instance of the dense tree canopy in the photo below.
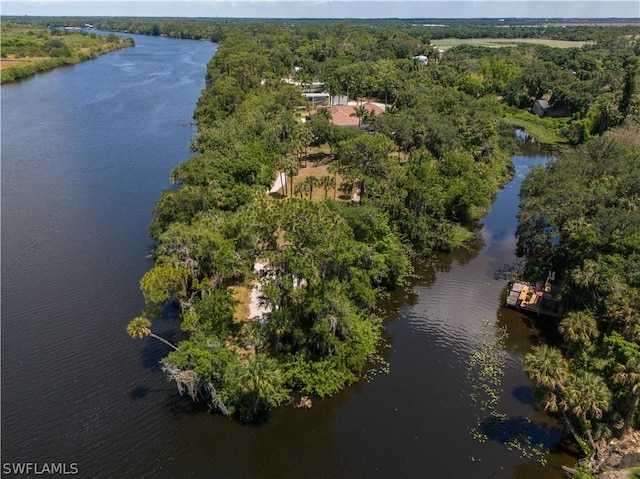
(423, 172)
(580, 217)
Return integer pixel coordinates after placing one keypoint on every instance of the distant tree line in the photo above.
(215, 29)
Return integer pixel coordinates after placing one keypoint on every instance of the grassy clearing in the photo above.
(506, 42)
(544, 130)
(18, 62)
(630, 135)
(318, 172)
(242, 295)
(318, 192)
(316, 164)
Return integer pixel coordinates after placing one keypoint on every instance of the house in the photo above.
(345, 115)
(315, 92)
(317, 98)
(421, 59)
(544, 108)
(339, 100)
(540, 107)
(325, 99)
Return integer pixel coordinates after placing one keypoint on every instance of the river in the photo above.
(86, 151)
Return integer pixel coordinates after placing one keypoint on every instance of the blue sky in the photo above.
(328, 8)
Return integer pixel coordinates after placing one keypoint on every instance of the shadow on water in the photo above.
(519, 430)
(139, 392)
(180, 405)
(426, 269)
(523, 394)
(412, 422)
(562, 453)
(526, 330)
(151, 354)
(167, 326)
(443, 262)
(143, 391)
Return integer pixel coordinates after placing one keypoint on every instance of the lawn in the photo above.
(505, 42)
(544, 130)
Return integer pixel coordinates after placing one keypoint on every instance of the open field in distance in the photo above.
(505, 42)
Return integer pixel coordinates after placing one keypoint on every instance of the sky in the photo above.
(328, 8)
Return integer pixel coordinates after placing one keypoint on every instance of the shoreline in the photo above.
(15, 73)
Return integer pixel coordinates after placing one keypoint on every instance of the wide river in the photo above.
(86, 151)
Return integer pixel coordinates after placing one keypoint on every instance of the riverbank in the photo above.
(619, 459)
(85, 150)
(27, 50)
(595, 352)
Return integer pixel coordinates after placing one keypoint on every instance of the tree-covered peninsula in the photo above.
(27, 49)
(323, 263)
(357, 202)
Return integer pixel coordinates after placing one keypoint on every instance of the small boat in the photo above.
(534, 298)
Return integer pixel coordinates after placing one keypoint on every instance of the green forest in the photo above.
(580, 216)
(29, 49)
(424, 172)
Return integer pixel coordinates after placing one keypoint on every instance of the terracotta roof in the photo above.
(341, 114)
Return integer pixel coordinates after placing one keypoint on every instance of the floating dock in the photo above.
(534, 298)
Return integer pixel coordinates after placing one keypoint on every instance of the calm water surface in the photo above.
(86, 151)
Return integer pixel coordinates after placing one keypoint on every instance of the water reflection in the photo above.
(77, 193)
(451, 296)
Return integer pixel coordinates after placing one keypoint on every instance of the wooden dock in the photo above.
(534, 298)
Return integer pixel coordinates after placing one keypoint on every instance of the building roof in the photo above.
(544, 104)
(341, 115)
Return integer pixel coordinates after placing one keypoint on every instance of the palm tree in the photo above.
(311, 181)
(333, 169)
(588, 275)
(619, 306)
(290, 165)
(360, 112)
(546, 367)
(587, 397)
(254, 333)
(302, 188)
(324, 112)
(327, 182)
(263, 380)
(579, 327)
(140, 327)
(302, 138)
(580, 396)
(628, 375)
(549, 371)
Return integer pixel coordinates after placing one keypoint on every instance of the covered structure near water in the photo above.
(534, 298)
